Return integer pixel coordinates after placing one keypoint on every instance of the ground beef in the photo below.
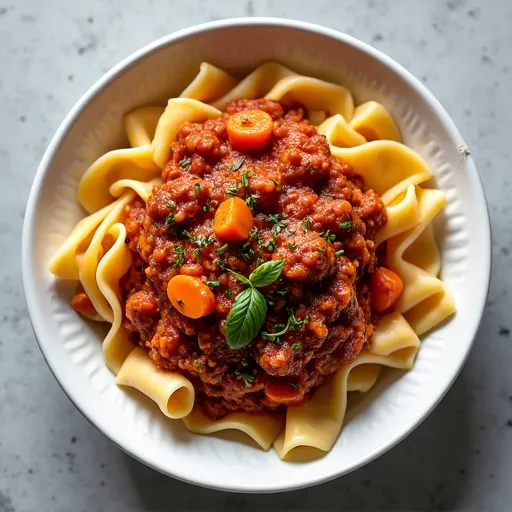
(309, 209)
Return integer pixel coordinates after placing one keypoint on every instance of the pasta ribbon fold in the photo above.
(178, 112)
(172, 392)
(261, 428)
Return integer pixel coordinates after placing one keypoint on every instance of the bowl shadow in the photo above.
(412, 476)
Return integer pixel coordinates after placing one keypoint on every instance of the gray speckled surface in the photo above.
(51, 458)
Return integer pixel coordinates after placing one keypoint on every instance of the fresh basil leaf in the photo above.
(245, 318)
(266, 273)
(240, 277)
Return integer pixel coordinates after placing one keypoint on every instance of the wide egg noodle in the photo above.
(312, 429)
(178, 112)
(171, 391)
(256, 84)
(140, 125)
(111, 268)
(210, 83)
(261, 428)
(372, 121)
(314, 94)
(418, 283)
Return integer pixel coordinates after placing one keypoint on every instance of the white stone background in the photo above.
(51, 458)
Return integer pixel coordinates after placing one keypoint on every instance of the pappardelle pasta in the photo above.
(263, 248)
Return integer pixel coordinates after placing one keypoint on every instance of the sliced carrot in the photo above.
(386, 287)
(233, 220)
(190, 296)
(283, 392)
(249, 129)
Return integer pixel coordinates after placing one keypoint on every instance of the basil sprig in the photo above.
(250, 307)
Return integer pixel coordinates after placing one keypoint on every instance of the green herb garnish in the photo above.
(306, 223)
(197, 188)
(178, 250)
(220, 263)
(244, 179)
(246, 252)
(222, 250)
(237, 164)
(169, 220)
(278, 222)
(328, 236)
(292, 324)
(340, 252)
(292, 247)
(348, 225)
(320, 249)
(246, 377)
(185, 162)
(251, 200)
(213, 284)
(297, 347)
(197, 254)
(250, 307)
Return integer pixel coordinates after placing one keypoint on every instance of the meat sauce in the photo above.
(309, 210)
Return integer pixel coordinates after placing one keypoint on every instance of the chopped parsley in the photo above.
(246, 252)
(178, 250)
(297, 347)
(348, 225)
(306, 223)
(171, 204)
(198, 363)
(220, 263)
(313, 169)
(270, 245)
(228, 293)
(320, 249)
(201, 240)
(197, 188)
(237, 164)
(222, 250)
(292, 247)
(280, 329)
(233, 190)
(197, 254)
(207, 206)
(169, 220)
(213, 284)
(278, 222)
(246, 377)
(340, 252)
(185, 162)
(328, 236)
(251, 200)
(244, 179)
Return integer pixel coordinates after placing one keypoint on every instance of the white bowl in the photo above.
(72, 348)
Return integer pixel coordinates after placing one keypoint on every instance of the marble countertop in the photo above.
(51, 458)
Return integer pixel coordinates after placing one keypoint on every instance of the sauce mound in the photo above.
(310, 210)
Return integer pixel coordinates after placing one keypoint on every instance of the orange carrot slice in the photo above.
(249, 129)
(233, 220)
(386, 287)
(190, 296)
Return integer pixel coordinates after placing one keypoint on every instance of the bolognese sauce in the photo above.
(309, 210)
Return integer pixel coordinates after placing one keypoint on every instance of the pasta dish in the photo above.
(262, 248)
